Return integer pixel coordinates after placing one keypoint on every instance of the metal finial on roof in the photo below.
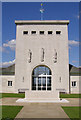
(42, 11)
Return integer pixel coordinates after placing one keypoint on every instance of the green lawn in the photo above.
(22, 95)
(10, 112)
(72, 112)
(70, 95)
(17, 95)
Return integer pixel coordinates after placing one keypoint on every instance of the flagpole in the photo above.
(41, 10)
(41, 16)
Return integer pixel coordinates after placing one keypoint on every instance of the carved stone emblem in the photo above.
(55, 56)
(29, 56)
(42, 55)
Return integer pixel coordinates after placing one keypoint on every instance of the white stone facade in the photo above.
(4, 88)
(4, 85)
(37, 49)
(75, 83)
(47, 50)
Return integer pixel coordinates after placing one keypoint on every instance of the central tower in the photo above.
(42, 66)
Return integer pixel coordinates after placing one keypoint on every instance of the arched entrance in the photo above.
(41, 78)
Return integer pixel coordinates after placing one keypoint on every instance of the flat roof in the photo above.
(41, 21)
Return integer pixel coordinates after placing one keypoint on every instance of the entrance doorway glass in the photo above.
(41, 78)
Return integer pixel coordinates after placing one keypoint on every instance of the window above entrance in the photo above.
(41, 70)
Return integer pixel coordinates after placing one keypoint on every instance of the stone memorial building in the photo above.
(42, 62)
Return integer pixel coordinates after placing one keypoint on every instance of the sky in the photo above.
(12, 11)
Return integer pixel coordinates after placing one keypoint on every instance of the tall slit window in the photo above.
(41, 78)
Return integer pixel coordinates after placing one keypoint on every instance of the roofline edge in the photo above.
(42, 21)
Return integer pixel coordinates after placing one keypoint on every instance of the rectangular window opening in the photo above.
(50, 32)
(73, 83)
(58, 32)
(33, 32)
(41, 32)
(25, 32)
(9, 83)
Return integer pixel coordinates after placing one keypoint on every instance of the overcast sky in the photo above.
(12, 11)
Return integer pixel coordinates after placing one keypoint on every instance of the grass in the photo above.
(22, 95)
(17, 95)
(10, 112)
(72, 112)
(70, 95)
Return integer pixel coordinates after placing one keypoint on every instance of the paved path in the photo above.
(41, 110)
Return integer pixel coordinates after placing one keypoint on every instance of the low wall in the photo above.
(41, 95)
(4, 88)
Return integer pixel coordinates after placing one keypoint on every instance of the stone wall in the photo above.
(4, 88)
(37, 44)
(77, 88)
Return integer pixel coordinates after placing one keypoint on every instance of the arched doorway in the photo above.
(41, 78)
